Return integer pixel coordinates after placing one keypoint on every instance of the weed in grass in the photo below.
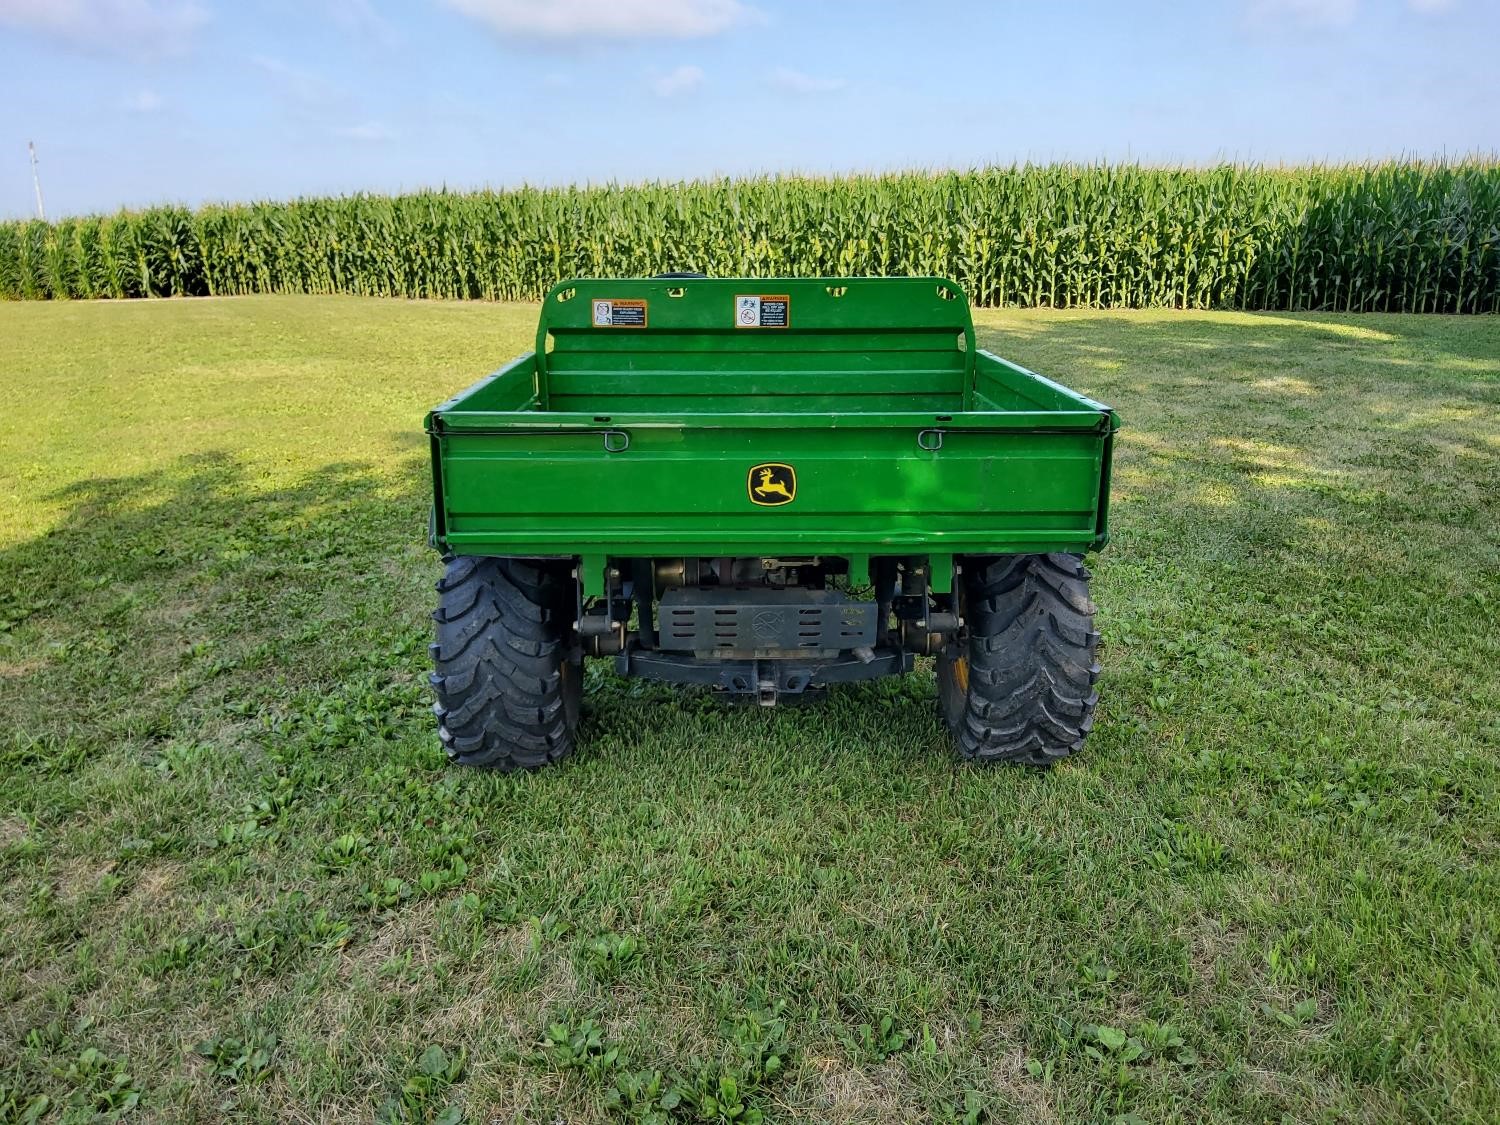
(423, 1096)
(642, 1096)
(878, 1041)
(450, 875)
(386, 894)
(345, 851)
(716, 1095)
(461, 926)
(222, 871)
(22, 1108)
(606, 956)
(580, 1046)
(730, 1090)
(326, 931)
(1300, 1015)
(970, 1109)
(1095, 978)
(239, 1060)
(100, 1084)
(547, 929)
(402, 967)
(1289, 960)
(737, 1090)
(187, 951)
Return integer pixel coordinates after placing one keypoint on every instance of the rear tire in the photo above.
(1020, 686)
(507, 694)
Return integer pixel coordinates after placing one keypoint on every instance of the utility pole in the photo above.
(36, 182)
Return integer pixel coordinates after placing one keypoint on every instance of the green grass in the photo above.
(238, 878)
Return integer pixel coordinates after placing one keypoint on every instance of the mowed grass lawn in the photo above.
(238, 879)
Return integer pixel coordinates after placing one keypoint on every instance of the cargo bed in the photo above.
(632, 426)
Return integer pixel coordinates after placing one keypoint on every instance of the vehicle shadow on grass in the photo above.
(155, 595)
(198, 601)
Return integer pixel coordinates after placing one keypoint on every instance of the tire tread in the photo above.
(497, 664)
(1032, 665)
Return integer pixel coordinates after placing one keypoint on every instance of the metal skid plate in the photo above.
(761, 619)
(766, 681)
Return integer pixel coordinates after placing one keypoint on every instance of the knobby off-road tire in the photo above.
(1022, 688)
(507, 693)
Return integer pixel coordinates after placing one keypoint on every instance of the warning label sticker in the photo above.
(762, 310)
(619, 312)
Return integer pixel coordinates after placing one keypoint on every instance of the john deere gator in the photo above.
(764, 487)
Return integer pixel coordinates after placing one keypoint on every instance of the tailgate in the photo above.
(863, 484)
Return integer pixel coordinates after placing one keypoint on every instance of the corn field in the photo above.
(1408, 237)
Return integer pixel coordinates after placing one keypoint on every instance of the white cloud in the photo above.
(144, 101)
(360, 19)
(301, 85)
(795, 82)
(140, 28)
(677, 81)
(371, 132)
(1308, 13)
(1326, 13)
(606, 19)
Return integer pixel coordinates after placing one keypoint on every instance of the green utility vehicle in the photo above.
(763, 487)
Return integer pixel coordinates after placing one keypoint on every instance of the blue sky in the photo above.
(133, 102)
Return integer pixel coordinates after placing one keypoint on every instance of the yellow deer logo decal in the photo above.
(772, 484)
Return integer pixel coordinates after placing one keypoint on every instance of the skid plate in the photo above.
(761, 619)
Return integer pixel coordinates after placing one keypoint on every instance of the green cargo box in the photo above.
(755, 451)
(643, 438)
